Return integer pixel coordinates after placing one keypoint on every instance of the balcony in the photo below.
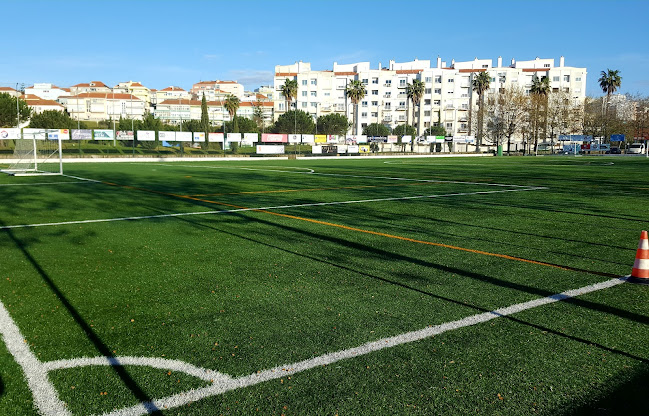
(387, 108)
(449, 107)
(387, 85)
(387, 95)
(387, 118)
(401, 108)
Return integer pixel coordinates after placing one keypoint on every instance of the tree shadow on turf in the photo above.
(575, 301)
(102, 348)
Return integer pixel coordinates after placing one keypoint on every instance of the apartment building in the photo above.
(134, 88)
(448, 97)
(215, 90)
(47, 91)
(38, 104)
(175, 111)
(12, 92)
(169, 93)
(92, 86)
(103, 106)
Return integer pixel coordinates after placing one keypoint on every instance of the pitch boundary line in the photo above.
(243, 209)
(48, 403)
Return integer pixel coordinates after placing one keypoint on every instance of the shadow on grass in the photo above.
(2, 387)
(574, 301)
(629, 398)
(103, 349)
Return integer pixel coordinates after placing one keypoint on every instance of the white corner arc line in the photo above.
(229, 211)
(46, 398)
(223, 386)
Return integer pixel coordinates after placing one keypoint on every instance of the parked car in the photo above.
(614, 151)
(636, 148)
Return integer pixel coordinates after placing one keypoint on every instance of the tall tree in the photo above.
(289, 91)
(539, 91)
(355, 91)
(336, 124)
(376, 130)
(205, 118)
(480, 86)
(52, 119)
(294, 120)
(232, 105)
(414, 92)
(505, 114)
(9, 110)
(609, 81)
(258, 115)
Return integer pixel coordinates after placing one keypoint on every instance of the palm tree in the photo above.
(355, 91)
(289, 90)
(480, 86)
(610, 81)
(232, 105)
(540, 89)
(414, 91)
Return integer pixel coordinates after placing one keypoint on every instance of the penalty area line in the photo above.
(225, 385)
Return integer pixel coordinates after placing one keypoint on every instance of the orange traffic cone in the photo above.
(640, 272)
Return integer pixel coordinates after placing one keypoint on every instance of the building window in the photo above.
(375, 92)
(374, 114)
(304, 105)
(427, 102)
(555, 79)
(363, 103)
(304, 82)
(427, 91)
(388, 82)
(304, 93)
(436, 102)
(314, 104)
(281, 107)
(428, 79)
(375, 103)
(364, 81)
(426, 113)
(449, 126)
(566, 78)
(485, 66)
(451, 80)
(375, 80)
(577, 79)
(402, 83)
(314, 82)
(438, 79)
(364, 115)
(314, 93)
(546, 65)
(438, 90)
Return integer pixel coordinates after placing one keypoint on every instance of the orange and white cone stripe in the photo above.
(640, 272)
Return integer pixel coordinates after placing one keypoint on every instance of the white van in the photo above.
(636, 148)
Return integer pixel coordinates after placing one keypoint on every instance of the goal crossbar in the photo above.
(35, 156)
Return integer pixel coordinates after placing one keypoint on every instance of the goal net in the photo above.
(37, 153)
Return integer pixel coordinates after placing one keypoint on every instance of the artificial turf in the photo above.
(247, 290)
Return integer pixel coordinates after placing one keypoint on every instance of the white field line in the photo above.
(225, 384)
(268, 208)
(353, 176)
(45, 397)
(44, 183)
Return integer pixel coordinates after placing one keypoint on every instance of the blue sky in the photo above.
(162, 43)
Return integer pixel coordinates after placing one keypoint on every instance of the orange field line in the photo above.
(313, 189)
(396, 237)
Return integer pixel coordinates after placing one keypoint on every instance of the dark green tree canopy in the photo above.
(376, 130)
(435, 131)
(52, 119)
(245, 125)
(8, 110)
(287, 122)
(336, 124)
(405, 130)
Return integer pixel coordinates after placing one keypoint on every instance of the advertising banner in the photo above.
(146, 135)
(392, 139)
(308, 138)
(9, 134)
(361, 138)
(352, 148)
(215, 138)
(103, 135)
(406, 139)
(167, 136)
(617, 137)
(320, 138)
(83, 134)
(199, 136)
(183, 136)
(251, 137)
(294, 138)
(31, 134)
(274, 138)
(316, 150)
(58, 134)
(124, 135)
(332, 139)
(269, 149)
(329, 150)
(364, 148)
(234, 137)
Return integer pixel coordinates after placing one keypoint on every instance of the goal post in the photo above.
(37, 153)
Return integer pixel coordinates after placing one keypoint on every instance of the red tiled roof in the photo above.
(473, 70)
(345, 73)
(7, 89)
(40, 102)
(285, 74)
(253, 103)
(535, 69)
(106, 95)
(172, 89)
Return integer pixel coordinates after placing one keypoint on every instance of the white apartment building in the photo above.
(47, 91)
(12, 92)
(169, 93)
(92, 86)
(215, 90)
(175, 111)
(134, 88)
(448, 96)
(38, 104)
(103, 106)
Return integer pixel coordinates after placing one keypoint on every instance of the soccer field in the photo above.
(475, 285)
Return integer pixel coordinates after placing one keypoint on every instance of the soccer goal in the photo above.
(37, 153)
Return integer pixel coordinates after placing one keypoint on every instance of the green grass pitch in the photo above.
(304, 287)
